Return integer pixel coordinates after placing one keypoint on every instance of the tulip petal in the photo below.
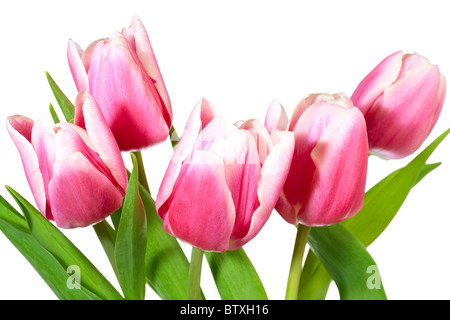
(20, 130)
(373, 85)
(242, 175)
(308, 130)
(43, 141)
(276, 117)
(79, 74)
(340, 157)
(202, 211)
(199, 118)
(103, 141)
(261, 136)
(283, 207)
(439, 102)
(127, 97)
(80, 194)
(69, 140)
(337, 99)
(276, 167)
(216, 136)
(88, 53)
(272, 177)
(390, 125)
(139, 40)
(79, 116)
(238, 150)
(286, 210)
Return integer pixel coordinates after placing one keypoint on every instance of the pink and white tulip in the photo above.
(401, 99)
(223, 180)
(326, 181)
(76, 175)
(122, 74)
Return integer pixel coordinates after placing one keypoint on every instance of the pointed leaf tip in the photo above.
(131, 241)
(67, 108)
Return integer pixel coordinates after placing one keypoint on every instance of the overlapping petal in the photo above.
(199, 118)
(20, 129)
(340, 157)
(103, 140)
(80, 194)
(272, 177)
(201, 210)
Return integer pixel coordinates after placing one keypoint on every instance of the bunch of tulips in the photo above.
(223, 182)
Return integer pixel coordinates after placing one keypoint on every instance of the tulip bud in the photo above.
(326, 181)
(122, 74)
(223, 180)
(76, 175)
(401, 99)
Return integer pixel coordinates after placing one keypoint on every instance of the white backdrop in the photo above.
(240, 55)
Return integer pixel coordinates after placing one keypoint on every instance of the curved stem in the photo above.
(195, 271)
(141, 170)
(295, 270)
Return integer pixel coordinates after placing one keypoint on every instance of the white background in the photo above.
(240, 55)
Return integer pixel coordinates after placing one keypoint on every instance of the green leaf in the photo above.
(64, 103)
(235, 276)
(53, 114)
(383, 201)
(107, 237)
(52, 239)
(350, 265)
(131, 238)
(10, 215)
(115, 218)
(315, 279)
(167, 266)
(15, 228)
(381, 204)
(174, 138)
(426, 170)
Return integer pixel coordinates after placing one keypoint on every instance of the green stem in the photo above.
(195, 271)
(295, 270)
(141, 170)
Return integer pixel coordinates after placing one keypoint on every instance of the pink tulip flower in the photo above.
(223, 180)
(401, 99)
(77, 175)
(326, 181)
(122, 74)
